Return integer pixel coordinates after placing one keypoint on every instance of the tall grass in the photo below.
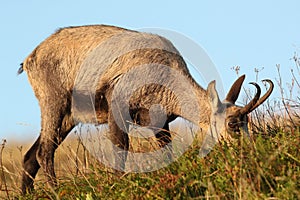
(268, 167)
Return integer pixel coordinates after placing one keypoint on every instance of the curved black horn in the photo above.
(248, 108)
(263, 98)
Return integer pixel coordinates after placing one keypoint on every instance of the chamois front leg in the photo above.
(164, 138)
(120, 140)
(163, 135)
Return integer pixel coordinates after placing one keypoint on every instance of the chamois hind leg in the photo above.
(56, 124)
(31, 167)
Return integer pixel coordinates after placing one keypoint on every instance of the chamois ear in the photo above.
(235, 89)
(213, 96)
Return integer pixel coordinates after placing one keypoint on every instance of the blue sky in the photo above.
(255, 34)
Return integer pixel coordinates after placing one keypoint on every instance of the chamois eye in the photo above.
(231, 124)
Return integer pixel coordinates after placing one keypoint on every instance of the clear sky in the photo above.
(250, 34)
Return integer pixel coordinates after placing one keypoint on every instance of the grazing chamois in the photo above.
(56, 67)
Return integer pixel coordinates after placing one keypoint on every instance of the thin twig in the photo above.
(2, 169)
(282, 94)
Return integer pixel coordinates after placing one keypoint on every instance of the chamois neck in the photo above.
(204, 106)
(195, 107)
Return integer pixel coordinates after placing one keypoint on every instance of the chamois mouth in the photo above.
(237, 129)
(236, 134)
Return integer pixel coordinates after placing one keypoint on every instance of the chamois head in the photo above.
(234, 116)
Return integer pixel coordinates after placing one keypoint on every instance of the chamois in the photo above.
(56, 67)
